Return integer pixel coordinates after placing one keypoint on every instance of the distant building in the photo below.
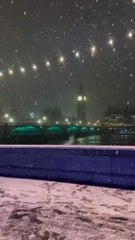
(119, 117)
(81, 105)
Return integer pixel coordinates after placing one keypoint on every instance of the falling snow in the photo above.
(46, 47)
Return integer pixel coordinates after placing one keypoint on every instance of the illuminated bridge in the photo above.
(35, 133)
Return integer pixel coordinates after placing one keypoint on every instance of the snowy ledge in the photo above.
(112, 166)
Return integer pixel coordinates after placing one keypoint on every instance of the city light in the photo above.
(48, 64)
(44, 118)
(1, 74)
(111, 42)
(39, 121)
(80, 98)
(10, 71)
(22, 70)
(93, 51)
(77, 54)
(61, 59)
(34, 67)
(6, 115)
(11, 120)
(130, 34)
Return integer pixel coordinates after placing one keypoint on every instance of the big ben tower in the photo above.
(81, 105)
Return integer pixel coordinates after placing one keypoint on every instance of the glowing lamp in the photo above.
(80, 98)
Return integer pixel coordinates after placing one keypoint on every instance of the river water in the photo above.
(103, 140)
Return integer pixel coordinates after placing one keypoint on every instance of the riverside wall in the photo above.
(96, 165)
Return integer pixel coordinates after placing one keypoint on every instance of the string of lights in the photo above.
(62, 59)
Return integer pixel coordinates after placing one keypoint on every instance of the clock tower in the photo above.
(81, 105)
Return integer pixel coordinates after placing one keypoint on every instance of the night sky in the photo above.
(88, 41)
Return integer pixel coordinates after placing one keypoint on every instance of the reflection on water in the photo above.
(105, 140)
(97, 140)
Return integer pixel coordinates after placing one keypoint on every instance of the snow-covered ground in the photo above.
(41, 210)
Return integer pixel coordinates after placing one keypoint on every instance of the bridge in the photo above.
(24, 133)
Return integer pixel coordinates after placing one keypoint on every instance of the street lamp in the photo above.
(66, 120)
(6, 115)
(44, 118)
(11, 120)
(39, 121)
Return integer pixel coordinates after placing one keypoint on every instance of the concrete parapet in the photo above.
(97, 165)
